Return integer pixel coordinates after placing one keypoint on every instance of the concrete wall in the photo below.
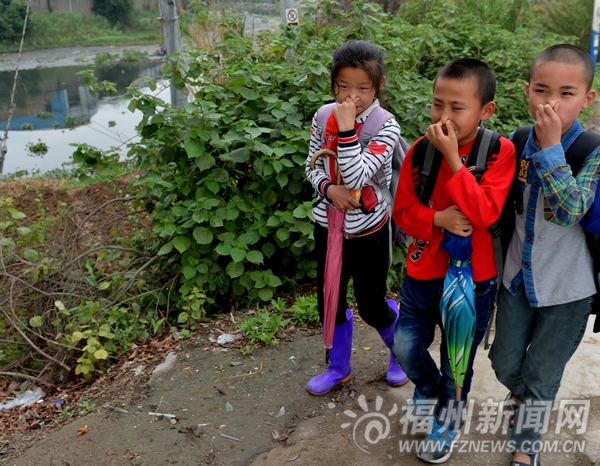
(80, 6)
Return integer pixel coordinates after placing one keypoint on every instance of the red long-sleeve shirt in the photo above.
(481, 203)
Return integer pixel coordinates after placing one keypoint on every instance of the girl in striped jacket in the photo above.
(357, 77)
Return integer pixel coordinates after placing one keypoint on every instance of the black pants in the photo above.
(365, 259)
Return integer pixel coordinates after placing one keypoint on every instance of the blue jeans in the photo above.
(415, 330)
(530, 351)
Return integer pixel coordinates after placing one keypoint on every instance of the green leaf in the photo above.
(60, 306)
(194, 148)
(35, 321)
(104, 286)
(255, 257)
(101, 354)
(269, 197)
(282, 179)
(9, 243)
(205, 162)
(253, 132)
(240, 155)
(268, 249)
(213, 186)
(278, 113)
(182, 317)
(238, 254)
(165, 249)
(265, 294)
(76, 337)
(181, 243)
(31, 255)
(250, 237)
(224, 249)
(272, 280)
(203, 235)
(283, 234)
(17, 215)
(248, 94)
(234, 269)
(273, 221)
(189, 272)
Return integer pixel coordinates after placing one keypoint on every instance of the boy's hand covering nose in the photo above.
(443, 137)
(548, 127)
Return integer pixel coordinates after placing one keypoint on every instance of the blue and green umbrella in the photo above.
(457, 306)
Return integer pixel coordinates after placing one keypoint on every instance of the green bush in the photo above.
(12, 18)
(117, 12)
(224, 176)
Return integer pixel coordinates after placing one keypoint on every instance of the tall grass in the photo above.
(65, 29)
(568, 17)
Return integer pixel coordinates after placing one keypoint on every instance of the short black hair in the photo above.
(465, 68)
(359, 54)
(569, 54)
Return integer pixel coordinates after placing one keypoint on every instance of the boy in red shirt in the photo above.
(463, 94)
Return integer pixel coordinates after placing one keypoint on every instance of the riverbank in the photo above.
(68, 56)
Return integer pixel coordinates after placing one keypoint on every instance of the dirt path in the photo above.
(233, 410)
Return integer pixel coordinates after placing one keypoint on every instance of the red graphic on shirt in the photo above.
(376, 148)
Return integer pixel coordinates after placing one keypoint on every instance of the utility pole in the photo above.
(289, 13)
(171, 34)
(595, 32)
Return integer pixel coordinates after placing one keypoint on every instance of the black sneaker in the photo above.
(535, 461)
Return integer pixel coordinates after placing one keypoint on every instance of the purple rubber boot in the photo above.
(339, 369)
(395, 375)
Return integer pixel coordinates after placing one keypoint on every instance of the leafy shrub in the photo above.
(224, 176)
(12, 18)
(115, 11)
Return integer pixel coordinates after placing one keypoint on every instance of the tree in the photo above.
(12, 16)
(115, 11)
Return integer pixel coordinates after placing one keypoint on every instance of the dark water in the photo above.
(49, 99)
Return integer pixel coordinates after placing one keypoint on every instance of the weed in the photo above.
(44, 115)
(27, 127)
(38, 149)
(246, 350)
(305, 310)
(278, 305)
(105, 59)
(263, 327)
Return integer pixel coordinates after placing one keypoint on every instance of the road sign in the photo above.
(291, 16)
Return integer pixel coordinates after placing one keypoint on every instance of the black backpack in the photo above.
(575, 156)
(426, 164)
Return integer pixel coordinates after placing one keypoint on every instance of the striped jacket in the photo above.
(358, 168)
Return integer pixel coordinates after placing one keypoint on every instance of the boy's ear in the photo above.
(589, 98)
(487, 110)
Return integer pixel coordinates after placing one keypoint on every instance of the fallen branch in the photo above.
(28, 377)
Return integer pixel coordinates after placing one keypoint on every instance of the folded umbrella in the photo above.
(457, 306)
(333, 260)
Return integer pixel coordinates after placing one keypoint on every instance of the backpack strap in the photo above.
(322, 117)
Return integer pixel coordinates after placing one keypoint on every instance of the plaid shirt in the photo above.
(567, 199)
(548, 244)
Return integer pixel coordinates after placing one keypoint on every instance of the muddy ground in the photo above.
(228, 409)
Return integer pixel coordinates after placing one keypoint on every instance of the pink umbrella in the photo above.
(333, 261)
